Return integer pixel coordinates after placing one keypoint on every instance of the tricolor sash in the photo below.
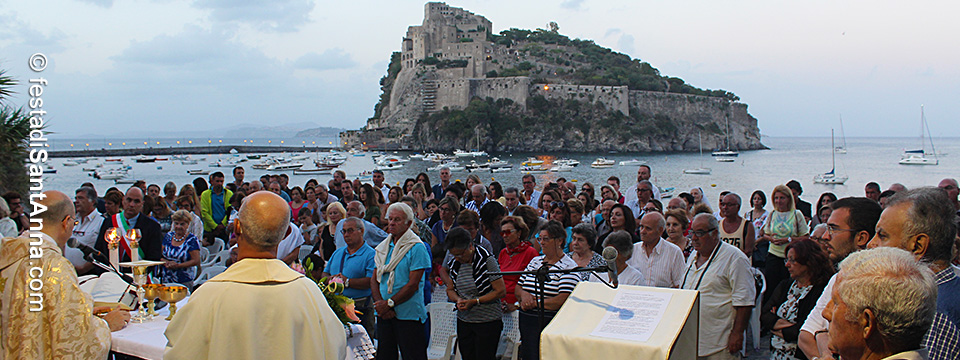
(120, 222)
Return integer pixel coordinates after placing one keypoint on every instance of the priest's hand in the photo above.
(735, 342)
(116, 319)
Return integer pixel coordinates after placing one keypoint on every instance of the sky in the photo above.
(177, 65)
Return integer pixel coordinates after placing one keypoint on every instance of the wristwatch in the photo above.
(346, 283)
(390, 303)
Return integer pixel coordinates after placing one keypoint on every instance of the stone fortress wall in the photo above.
(613, 97)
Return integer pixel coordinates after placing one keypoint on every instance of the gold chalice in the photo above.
(152, 293)
(172, 294)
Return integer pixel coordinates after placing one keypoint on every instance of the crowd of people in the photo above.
(825, 293)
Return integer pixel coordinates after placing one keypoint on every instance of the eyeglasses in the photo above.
(559, 204)
(640, 190)
(527, 182)
(446, 209)
(833, 229)
(699, 233)
(345, 231)
(788, 261)
(819, 240)
(649, 209)
(507, 232)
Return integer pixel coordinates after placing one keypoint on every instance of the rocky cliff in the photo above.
(538, 90)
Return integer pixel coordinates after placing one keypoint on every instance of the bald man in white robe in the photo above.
(258, 308)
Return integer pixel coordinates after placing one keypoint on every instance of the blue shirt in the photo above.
(418, 258)
(218, 210)
(440, 233)
(372, 235)
(357, 265)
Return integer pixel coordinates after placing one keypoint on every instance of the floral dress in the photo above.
(179, 254)
(783, 350)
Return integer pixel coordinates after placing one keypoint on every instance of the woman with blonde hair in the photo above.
(333, 213)
(189, 190)
(784, 225)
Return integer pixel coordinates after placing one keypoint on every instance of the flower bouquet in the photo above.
(344, 307)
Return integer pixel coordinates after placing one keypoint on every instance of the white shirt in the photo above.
(290, 243)
(815, 321)
(86, 233)
(629, 276)
(724, 282)
(385, 190)
(663, 268)
(196, 225)
(635, 206)
(631, 192)
(534, 199)
(256, 309)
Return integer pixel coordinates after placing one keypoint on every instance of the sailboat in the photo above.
(725, 154)
(831, 177)
(918, 156)
(701, 170)
(842, 149)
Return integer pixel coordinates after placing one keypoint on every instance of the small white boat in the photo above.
(125, 181)
(567, 162)
(417, 156)
(633, 162)
(725, 159)
(451, 165)
(189, 162)
(561, 168)
(831, 177)
(914, 159)
(726, 153)
(666, 193)
(93, 168)
(701, 170)
(198, 172)
(312, 171)
(116, 160)
(528, 169)
(70, 163)
(918, 156)
(602, 163)
(496, 163)
(389, 167)
(502, 169)
(50, 170)
(284, 166)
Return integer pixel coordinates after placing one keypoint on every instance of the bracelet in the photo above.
(818, 332)
(789, 239)
(478, 301)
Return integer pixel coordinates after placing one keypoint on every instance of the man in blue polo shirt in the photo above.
(354, 265)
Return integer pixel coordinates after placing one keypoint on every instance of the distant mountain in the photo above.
(322, 131)
(299, 129)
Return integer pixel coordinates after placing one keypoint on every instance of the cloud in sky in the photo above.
(100, 3)
(275, 15)
(572, 4)
(330, 59)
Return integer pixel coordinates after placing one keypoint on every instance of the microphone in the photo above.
(610, 256)
(87, 250)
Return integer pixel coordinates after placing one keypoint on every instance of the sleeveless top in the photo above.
(734, 238)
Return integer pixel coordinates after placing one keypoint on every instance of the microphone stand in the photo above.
(542, 273)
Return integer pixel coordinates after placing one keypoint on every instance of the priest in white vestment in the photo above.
(62, 325)
(258, 308)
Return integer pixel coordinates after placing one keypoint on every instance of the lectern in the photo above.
(631, 322)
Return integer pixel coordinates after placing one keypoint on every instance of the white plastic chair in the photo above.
(217, 246)
(443, 331)
(207, 274)
(219, 259)
(304, 252)
(753, 331)
(439, 294)
(204, 254)
(509, 347)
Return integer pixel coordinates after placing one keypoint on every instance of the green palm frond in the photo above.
(14, 128)
(6, 85)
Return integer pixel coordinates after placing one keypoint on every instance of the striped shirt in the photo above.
(472, 205)
(556, 283)
(664, 267)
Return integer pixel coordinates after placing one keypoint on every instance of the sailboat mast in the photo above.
(923, 144)
(833, 153)
(700, 143)
(843, 135)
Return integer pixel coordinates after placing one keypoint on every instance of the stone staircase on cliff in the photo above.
(428, 95)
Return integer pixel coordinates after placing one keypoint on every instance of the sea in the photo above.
(789, 158)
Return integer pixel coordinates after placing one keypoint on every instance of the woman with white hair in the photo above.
(626, 274)
(8, 227)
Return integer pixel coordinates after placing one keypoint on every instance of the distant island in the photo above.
(455, 84)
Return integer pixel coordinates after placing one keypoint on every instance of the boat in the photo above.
(110, 174)
(417, 156)
(601, 163)
(842, 149)
(389, 167)
(435, 157)
(725, 159)
(254, 156)
(532, 162)
(567, 162)
(831, 176)
(701, 170)
(198, 172)
(312, 171)
(284, 166)
(726, 152)
(70, 163)
(561, 168)
(144, 159)
(496, 163)
(450, 164)
(189, 162)
(93, 168)
(125, 181)
(501, 169)
(473, 166)
(633, 162)
(919, 156)
(666, 193)
(530, 169)
(365, 175)
(50, 170)
(117, 160)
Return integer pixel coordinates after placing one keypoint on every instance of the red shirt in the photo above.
(515, 260)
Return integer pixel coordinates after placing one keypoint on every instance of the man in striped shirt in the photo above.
(479, 195)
